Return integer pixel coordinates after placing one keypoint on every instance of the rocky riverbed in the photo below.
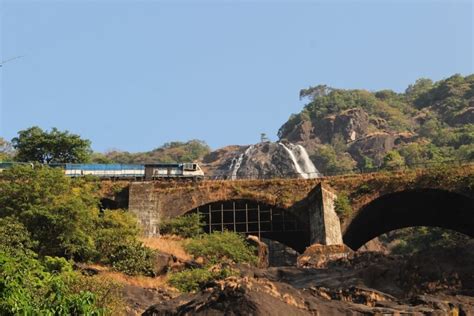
(433, 282)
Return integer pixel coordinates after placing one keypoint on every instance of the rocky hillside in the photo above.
(348, 129)
(263, 160)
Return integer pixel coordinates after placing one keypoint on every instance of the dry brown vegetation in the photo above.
(124, 279)
(172, 245)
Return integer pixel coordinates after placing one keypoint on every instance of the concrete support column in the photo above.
(144, 204)
(325, 226)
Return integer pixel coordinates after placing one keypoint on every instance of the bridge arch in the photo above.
(421, 207)
(257, 218)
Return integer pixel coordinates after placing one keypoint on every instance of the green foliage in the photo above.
(188, 226)
(194, 279)
(415, 239)
(342, 205)
(28, 288)
(36, 145)
(329, 161)
(114, 229)
(190, 151)
(221, 247)
(117, 244)
(57, 211)
(15, 239)
(393, 160)
(133, 258)
(61, 215)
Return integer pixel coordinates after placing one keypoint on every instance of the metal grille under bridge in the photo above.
(254, 218)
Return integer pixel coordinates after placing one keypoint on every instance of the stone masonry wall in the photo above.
(143, 202)
(325, 227)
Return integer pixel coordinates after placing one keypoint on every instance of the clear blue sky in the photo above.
(135, 74)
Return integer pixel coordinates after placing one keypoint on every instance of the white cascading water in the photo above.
(235, 165)
(308, 165)
(303, 165)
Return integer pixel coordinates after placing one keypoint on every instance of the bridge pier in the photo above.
(143, 202)
(325, 226)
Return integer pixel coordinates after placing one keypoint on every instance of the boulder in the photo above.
(318, 256)
(302, 132)
(280, 255)
(162, 263)
(374, 146)
(352, 124)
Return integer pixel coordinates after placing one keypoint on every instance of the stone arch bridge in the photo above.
(300, 212)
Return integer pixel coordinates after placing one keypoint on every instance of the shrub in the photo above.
(188, 226)
(342, 205)
(108, 293)
(114, 229)
(221, 247)
(194, 279)
(133, 258)
(28, 288)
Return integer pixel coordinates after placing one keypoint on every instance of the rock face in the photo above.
(280, 255)
(351, 124)
(318, 256)
(263, 160)
(374, 146)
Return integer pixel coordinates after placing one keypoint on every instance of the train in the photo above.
(127, 171)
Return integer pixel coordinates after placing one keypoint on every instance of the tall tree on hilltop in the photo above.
(35, 145)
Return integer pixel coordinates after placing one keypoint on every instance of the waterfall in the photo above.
(308, 165)
(303, 165)
(235, 164)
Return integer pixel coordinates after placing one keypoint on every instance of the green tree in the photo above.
(58, 212)
(37, 145)
(328, 161)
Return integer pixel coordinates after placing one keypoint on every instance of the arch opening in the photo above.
(255, 218)
(423, 207)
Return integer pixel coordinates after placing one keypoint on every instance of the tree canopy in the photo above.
(36, 145)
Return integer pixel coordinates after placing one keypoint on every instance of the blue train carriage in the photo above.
(105, 170)
(173, 170)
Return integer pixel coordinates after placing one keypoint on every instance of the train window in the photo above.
(189, 166)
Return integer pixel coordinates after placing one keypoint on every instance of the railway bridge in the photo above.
(300, 212)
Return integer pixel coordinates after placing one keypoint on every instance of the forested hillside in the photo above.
(345, 130)
(170, 152)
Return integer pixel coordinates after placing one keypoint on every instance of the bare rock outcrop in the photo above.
(318, 256)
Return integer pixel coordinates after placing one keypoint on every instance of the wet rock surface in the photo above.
(434, 282)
